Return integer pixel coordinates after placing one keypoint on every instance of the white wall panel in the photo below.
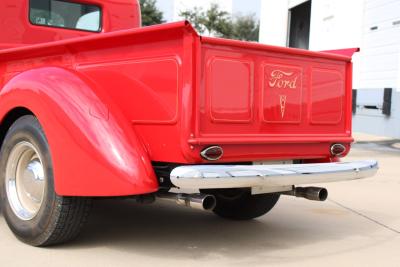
(380, 49)
(274, 22)
(336, 24)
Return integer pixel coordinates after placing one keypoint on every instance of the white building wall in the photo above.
(380, 49)
(334, 23)
(274, 22)
(293, 3)
(337, 24)
(378, 67)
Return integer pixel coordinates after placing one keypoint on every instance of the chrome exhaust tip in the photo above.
(310, 193)
(194, 201)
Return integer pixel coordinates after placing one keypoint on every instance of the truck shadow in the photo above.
(163, 230)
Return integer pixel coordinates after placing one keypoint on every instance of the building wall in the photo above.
(274, 22)
(373, 121)
(334, 23)
(378, 67)
(380, 49)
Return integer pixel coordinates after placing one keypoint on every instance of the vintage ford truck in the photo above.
(93, 105)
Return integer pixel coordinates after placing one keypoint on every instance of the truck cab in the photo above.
(35, 22)
(92, 105)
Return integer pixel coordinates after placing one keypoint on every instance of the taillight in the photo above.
(338, 150)
(212, 153)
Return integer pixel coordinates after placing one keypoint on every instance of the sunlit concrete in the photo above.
(358, 226)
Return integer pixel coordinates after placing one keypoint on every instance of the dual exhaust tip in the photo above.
(208, 202)
(195, 201)
(310, 193)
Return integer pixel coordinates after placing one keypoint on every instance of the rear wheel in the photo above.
(32, 209)
(240, 204)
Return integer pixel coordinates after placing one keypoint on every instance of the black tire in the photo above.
(240, 204)
(57, 219)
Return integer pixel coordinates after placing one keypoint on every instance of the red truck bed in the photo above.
(184, 92)
(281, 102)
(138, 112)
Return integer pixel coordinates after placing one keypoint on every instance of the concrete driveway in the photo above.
(358, 226)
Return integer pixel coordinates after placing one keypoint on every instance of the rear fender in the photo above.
(94, 148)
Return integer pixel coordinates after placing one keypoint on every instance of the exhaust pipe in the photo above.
(195, 201)
(310, 193)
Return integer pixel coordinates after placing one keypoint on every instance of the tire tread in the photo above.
(62, 217)
(73, 214)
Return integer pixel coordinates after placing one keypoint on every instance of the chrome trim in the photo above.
(25, 180)
(310, 193)
(204, 151)
(338, 155)
(240, 176)
(195, 201)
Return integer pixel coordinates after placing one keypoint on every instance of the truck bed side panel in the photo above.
(133, 77)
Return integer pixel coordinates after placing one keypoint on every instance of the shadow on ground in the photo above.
(166, 231)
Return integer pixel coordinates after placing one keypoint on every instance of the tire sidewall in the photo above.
(27, 128)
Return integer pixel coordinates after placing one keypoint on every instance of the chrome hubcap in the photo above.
(25, 180)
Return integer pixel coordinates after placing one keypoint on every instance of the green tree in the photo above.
(246, 28)
(196, 17)
(150, 14)
(212, 21)
(216, 22)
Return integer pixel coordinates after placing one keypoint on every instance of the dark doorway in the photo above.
(299, 31)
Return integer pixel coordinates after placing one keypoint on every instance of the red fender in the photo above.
(94, 148)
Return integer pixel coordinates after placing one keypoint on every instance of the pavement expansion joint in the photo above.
(365, 216)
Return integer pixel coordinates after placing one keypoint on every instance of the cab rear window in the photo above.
(65, 14)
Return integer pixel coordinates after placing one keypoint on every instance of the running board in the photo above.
(274, 176)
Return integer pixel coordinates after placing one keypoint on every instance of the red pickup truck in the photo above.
(93, 105)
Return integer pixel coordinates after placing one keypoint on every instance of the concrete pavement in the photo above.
(358, 226)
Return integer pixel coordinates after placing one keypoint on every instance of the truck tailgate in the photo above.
(255, 93)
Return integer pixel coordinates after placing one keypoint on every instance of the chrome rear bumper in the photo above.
(275, 177)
